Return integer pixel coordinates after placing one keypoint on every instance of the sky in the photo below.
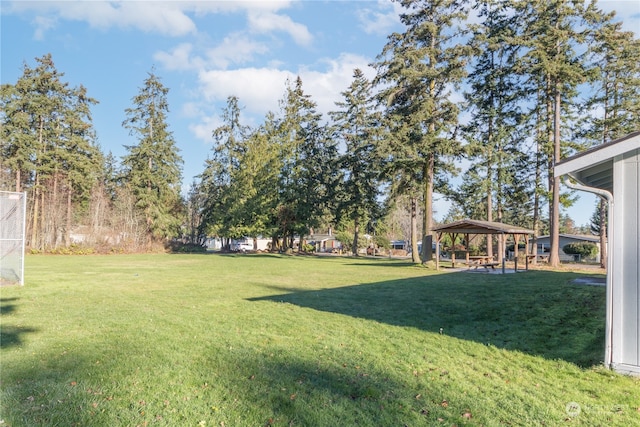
(206, 51)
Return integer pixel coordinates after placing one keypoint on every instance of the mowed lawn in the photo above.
(258, 340)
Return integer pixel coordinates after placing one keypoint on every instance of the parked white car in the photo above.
(242, 246)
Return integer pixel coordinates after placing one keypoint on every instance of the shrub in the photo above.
(584, 249)
(382, 241)
(185, 248)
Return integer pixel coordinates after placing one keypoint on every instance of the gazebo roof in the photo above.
(473, 226)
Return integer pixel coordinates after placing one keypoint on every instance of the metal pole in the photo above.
(24, 232)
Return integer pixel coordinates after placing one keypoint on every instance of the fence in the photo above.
(13, 207)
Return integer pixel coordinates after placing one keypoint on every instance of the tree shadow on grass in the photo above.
(387, 262)
(538, 313)
(70, 388)
(10, 335)
(317, 390)
(7, 306)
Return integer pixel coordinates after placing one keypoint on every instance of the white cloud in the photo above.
(204, 128)
(627, 11)
(162, 17)
(179, 58)
(43, 24)
(267, 21)
(325, 86)
(236, 48)
(260, 89)
(381, 20)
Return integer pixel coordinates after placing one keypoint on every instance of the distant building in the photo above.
(544, 244)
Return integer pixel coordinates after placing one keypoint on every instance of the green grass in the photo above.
(255, 340)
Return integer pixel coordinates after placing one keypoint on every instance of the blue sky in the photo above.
(205, 51)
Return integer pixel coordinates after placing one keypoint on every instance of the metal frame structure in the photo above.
(9, 234)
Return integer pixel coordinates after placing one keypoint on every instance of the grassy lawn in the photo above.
(257, 340)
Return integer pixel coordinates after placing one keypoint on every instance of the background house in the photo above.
(544, 244)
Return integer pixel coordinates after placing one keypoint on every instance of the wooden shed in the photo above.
(612, 170)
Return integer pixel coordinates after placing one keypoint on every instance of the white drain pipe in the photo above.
(609, 316)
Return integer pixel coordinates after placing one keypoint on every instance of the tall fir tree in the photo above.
(553, 35)
(256, 183)
(417, 71)
(308, 161)
(615, 55)
(357, 126)
(494, 131)
(49, 149)
(153, 167)
(222, 196)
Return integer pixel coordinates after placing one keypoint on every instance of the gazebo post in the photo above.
(526, 253)
(438, 251)
(454, 236)
(503, 246)
(516, 241)
(466, 248)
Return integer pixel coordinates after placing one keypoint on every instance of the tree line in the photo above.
(501, 98)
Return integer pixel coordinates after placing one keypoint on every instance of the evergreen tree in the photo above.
(222, 194)
(256, 183)
(552, 31)
(417, 70)
(494, 132)
(48, 148)
(598, 226)
(308, 159)
(357, 126)
(79, 160)
(616, 57)
(153, 167)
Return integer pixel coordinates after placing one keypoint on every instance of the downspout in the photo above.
(609, 309)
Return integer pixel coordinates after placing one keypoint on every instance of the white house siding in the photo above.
(626, 266)
(564, 239)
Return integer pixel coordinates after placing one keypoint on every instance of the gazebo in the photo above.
(472, 227)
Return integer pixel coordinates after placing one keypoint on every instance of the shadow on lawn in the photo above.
(11, 335)
(538, 313)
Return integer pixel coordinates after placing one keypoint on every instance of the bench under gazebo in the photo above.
(472, 227)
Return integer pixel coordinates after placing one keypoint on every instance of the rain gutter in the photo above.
(609, 303)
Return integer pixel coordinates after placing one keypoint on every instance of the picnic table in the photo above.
(482, 261)
(538, 257)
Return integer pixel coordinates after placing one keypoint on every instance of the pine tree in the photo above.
(79, 159)
(153, 167)
(616, 57)
(256, 183)
(49, 149)
(308, 161)
(494, 132)
(551, 35)
(356, 125)
(222, 196)
(417, 70)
